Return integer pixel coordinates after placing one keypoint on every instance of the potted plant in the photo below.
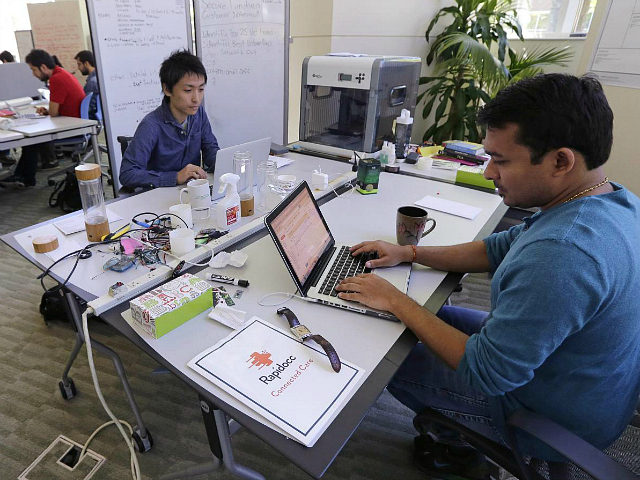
(470, 65)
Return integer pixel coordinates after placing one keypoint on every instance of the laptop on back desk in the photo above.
(259, 150)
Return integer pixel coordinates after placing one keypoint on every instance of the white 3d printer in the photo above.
(349, 103)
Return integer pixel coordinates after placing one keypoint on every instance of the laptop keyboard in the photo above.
(345, 265)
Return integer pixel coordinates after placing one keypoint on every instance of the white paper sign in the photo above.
(449, 206)
(290, 383)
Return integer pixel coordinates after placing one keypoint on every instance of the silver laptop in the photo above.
(316, 263)
(259, 150)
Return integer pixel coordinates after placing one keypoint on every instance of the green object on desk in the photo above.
(473, 176)
(170, 305)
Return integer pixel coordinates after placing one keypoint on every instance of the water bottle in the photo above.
(92, 196)
(404, 123)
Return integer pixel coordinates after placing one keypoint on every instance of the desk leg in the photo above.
(219, 430)
(141, 435)
(96, 149)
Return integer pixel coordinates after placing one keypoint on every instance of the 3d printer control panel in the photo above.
(348, 77)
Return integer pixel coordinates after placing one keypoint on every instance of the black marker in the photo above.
(231, 281)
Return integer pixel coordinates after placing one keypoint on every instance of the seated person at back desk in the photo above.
(66, 95)
(562, 337)
(165, 150)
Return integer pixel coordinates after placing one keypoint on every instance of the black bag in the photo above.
(52, 306)
(66, 194)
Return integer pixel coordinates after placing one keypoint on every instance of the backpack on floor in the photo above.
(66, 194)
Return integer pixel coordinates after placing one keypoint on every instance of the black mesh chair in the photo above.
(124, 142)
(581, 456)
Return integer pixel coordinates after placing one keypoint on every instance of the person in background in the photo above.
(167, 145)
(7, 57)
(562, 337)
(65, 98)
(87, 66)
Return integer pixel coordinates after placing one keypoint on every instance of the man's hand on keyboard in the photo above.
(370, 290)
(42, 111)
(388, 254)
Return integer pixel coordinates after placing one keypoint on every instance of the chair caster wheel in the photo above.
(142, 444)
(68, 391)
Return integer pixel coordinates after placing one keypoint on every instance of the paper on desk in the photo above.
(280, 161)
(75, 223)
(449, 206)
(65, 245)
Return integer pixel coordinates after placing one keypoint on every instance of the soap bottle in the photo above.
(404, 123)
(227, 210)
(384, 154)
(391, 153)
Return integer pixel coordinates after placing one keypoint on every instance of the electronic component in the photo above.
(117, 289)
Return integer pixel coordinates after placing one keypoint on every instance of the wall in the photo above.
(624, 163)
(310, 32)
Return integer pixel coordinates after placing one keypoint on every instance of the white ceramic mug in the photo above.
(182, 240)
(180, 212)
(199, 193)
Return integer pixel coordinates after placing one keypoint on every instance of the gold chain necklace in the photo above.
(573, 197)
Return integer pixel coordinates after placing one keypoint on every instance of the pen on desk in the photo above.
(231, 281)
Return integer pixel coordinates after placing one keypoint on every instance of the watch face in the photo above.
(301, 331)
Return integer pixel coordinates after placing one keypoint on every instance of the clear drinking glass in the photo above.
(267, 172)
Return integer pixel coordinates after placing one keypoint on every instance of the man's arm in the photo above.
(466, 257)
(444, 340)
(53, 110)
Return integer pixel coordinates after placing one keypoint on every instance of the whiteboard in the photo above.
(616, 58)
(130, 40)
(243, 45)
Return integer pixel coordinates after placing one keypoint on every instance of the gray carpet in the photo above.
(32, 412)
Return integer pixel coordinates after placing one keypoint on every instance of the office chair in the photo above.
(124, 142)
(80, 145)
(578, 452)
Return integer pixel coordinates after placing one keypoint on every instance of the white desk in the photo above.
(46, 129)
(372, 344)
(375, 345)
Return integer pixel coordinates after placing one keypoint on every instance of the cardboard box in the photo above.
(170, 305)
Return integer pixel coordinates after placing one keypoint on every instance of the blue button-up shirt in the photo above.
(161, 148)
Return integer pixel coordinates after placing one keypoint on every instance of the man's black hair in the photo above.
(85, 56)
(6, 56)
(554, 111)
(179, 64)
(39, 57)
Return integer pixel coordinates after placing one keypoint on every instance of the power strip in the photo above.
(162, 273)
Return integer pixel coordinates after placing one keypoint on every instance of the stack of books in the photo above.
(467, 153)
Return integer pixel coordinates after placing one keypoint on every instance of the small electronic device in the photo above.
(117, 288)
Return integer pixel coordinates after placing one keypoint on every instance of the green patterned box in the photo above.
(170, 305)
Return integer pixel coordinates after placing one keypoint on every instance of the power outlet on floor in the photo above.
(61, 459)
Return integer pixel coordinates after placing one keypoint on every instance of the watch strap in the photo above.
(303, 333)
(329, 350)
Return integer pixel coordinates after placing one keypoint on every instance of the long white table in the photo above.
(377, 346)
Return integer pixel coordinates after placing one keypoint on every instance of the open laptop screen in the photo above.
(301, 231)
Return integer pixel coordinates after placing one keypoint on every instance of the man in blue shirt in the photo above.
(87, 66)
(166, 148)
(562, 337)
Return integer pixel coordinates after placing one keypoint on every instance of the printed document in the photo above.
(289, 383)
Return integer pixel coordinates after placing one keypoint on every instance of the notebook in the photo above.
(312, 257)
(259, 150)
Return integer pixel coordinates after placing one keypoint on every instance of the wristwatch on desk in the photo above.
(303, 333)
